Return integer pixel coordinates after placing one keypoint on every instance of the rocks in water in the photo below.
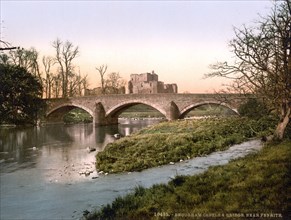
(102, 173)
(117, 136)
(86, 212)
(91, 149)
(86, 172)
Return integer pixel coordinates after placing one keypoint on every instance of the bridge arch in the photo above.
(117, 109)
(188, 108)
(57, 113)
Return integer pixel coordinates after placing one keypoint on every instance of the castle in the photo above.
(149, 83)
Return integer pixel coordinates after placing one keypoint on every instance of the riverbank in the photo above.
(172, 142)
(256, 186)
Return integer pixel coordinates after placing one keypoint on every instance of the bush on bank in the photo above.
(178, 140)
(77, 116)
(257, 184)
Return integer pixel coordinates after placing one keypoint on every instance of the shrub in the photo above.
(253, 108)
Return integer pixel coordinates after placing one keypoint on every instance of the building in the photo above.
(149, 83)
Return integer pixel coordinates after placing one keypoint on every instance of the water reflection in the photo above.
(60, 152)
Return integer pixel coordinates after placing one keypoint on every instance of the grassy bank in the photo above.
(178, 140)
(257, 185)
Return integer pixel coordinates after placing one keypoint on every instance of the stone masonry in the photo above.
(148, 83)
(106, 108)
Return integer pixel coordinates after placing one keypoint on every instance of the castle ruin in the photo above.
(149, 83)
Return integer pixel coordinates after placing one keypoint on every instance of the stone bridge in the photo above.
(105, 109)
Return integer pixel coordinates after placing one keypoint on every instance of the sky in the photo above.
(178, 40)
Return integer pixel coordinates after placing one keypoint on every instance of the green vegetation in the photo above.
(257, 183)
(253, 108)
(179, 140)
(141, 111)
(20, 95)
(145, 111)
(77, 116)
(210, 110)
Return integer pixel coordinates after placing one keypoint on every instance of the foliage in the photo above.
(253, 108)
(178, 140)
(78, 116)
(257, 183)
(19, 95)
(141, 111)
(210, 110)
(26, 58)
(262, 64)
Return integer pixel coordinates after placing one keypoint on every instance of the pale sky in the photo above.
(176, 39)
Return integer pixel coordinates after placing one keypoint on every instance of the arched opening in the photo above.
(77, 115)
(207, 110)
(69, 114)
(136, 110)
(139, 110)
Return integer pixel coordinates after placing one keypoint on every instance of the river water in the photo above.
(49, 173)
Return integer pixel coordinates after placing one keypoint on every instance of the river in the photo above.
(49, 173)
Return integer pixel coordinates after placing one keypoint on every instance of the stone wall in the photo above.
(148, 83)
(106, 108)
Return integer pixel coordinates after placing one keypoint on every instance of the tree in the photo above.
(26, 58)
(102, 70)
(114, 84)
(6, 46)
(57, 85)
(262, 64)
(20, 95)
(65, 54)
(4, 58)
(48, 62)
(77, 84)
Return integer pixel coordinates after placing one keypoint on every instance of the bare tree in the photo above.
(76, 85)
(262, 64)
(48, 62)
(114, 84)
(56, 85)
(102, 70)
(65, 54)
(85, 84)
(27, 59)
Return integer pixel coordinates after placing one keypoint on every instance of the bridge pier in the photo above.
(100, 118)
(172, 111)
